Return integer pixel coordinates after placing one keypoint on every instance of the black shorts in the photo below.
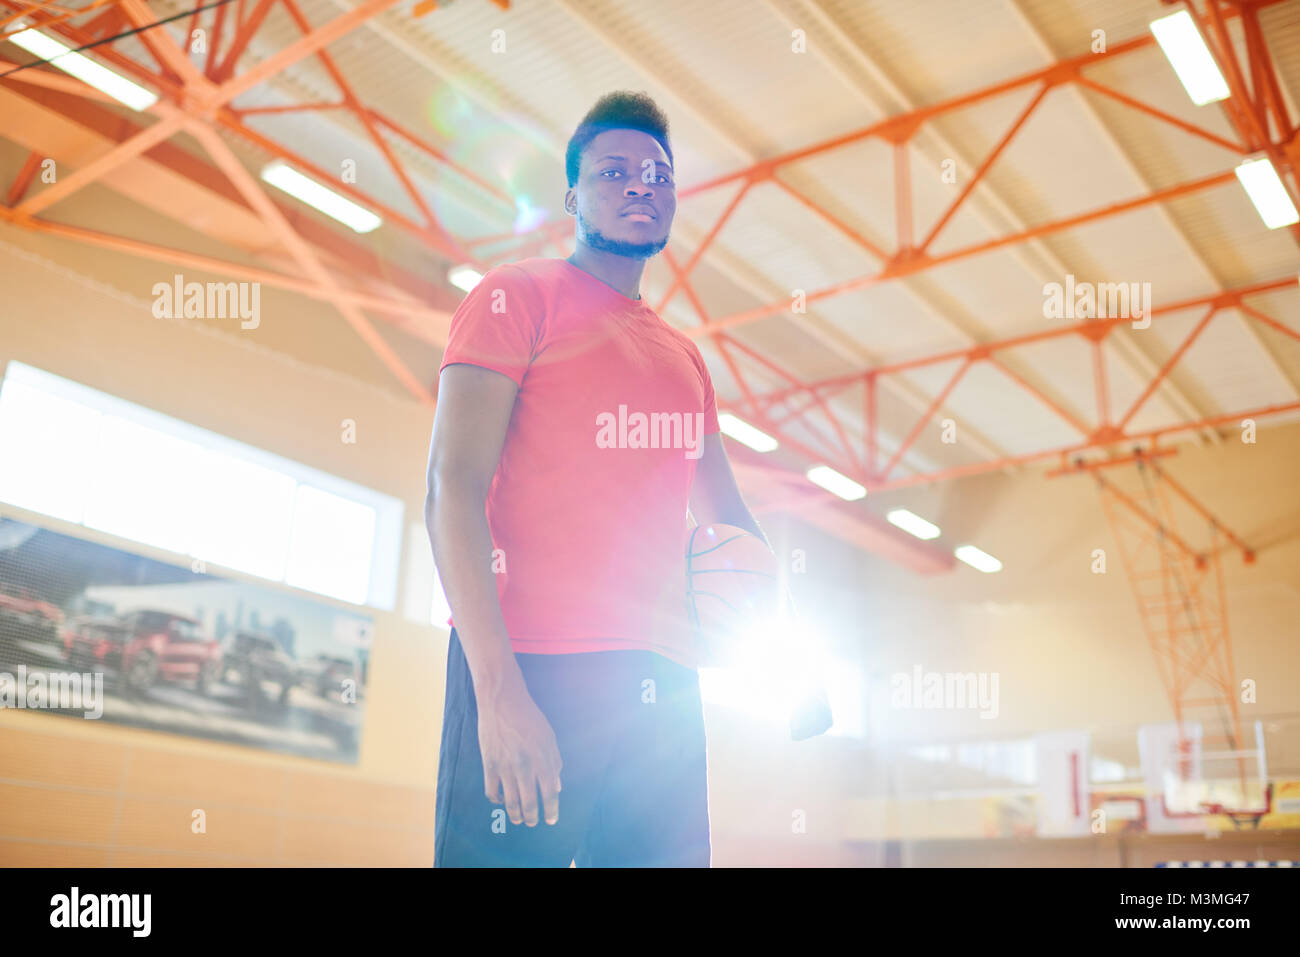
(634, 786)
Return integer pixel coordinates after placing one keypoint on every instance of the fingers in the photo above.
(517, 781)
(530, 783)
(492, 785)
(550, 785)
(527, 781)
(503, 789)
(520, 795)
(511, 788)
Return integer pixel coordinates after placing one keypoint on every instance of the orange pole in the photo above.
(1079, 465)
(1099, 382)
(937, 401)
(681, 275)
(69, 183)
(1229, 297)
(1074, 421)
(833, 220)
(42, 20)
(1164, 369)
(907, 267)
(694, 300)
(903, 197)
(988, 162)
(1258, 50)
(292, 108)
(349, 96)
(245, 33)
(218, 27)
(24, 177)
(834, 422)
(1256, 314)
(306, 258)
(1001, 463)
(408, 310)
(1147, 108)
(740, 381)
(1116, 518)
(1203, 512)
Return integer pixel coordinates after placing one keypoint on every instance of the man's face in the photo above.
(625, 197)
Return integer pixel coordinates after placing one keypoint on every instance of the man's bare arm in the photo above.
(517, 742)
(715, 496)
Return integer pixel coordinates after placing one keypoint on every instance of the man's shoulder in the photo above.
(540, 270)
(528, 282)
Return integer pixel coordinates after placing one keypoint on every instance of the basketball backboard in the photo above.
(1191, 773)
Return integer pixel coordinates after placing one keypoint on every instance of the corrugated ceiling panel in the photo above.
(1164, 154)
(1280, 25)
(1138, 246)
(928, 44)
(1068, 27)
(889, 321)
(1223, 226)
(1230, 369)
(1060, 165)
(995, 406)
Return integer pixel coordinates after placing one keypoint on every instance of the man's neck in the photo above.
(622, 273)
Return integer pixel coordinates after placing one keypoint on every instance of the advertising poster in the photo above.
(96, 633)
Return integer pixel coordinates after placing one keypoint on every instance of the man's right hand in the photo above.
(520, 756)
(469, 429)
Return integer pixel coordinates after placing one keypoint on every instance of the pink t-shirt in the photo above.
(588, 505)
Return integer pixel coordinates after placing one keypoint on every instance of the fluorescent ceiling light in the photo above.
(977, 559)
(743, 432)
(1190, 58)
(464, 277)
(1265, 189)
(912, 523)
(283, 176)
(85, 69)
(833, 481)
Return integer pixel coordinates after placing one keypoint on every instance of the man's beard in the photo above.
(598, 240)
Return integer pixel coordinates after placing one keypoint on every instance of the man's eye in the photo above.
(609, 171)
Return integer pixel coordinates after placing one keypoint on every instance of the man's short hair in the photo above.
(622, 110)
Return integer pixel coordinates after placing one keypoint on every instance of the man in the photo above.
(558, 522)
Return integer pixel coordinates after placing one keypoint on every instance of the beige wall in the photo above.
(96, 793)
(1066, 643)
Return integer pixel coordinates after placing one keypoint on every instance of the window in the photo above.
(150, 622)
(424, 600)
(182, 630)
(83, 456)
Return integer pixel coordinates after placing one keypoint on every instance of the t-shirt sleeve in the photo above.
(710, 400)
(497, 326)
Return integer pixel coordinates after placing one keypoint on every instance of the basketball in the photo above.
(732, 586)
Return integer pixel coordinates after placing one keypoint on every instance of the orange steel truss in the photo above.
(1249, 111)
(197, 100)
(1181, 600)
(197, 97)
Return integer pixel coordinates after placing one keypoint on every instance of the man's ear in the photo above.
(571, 201)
